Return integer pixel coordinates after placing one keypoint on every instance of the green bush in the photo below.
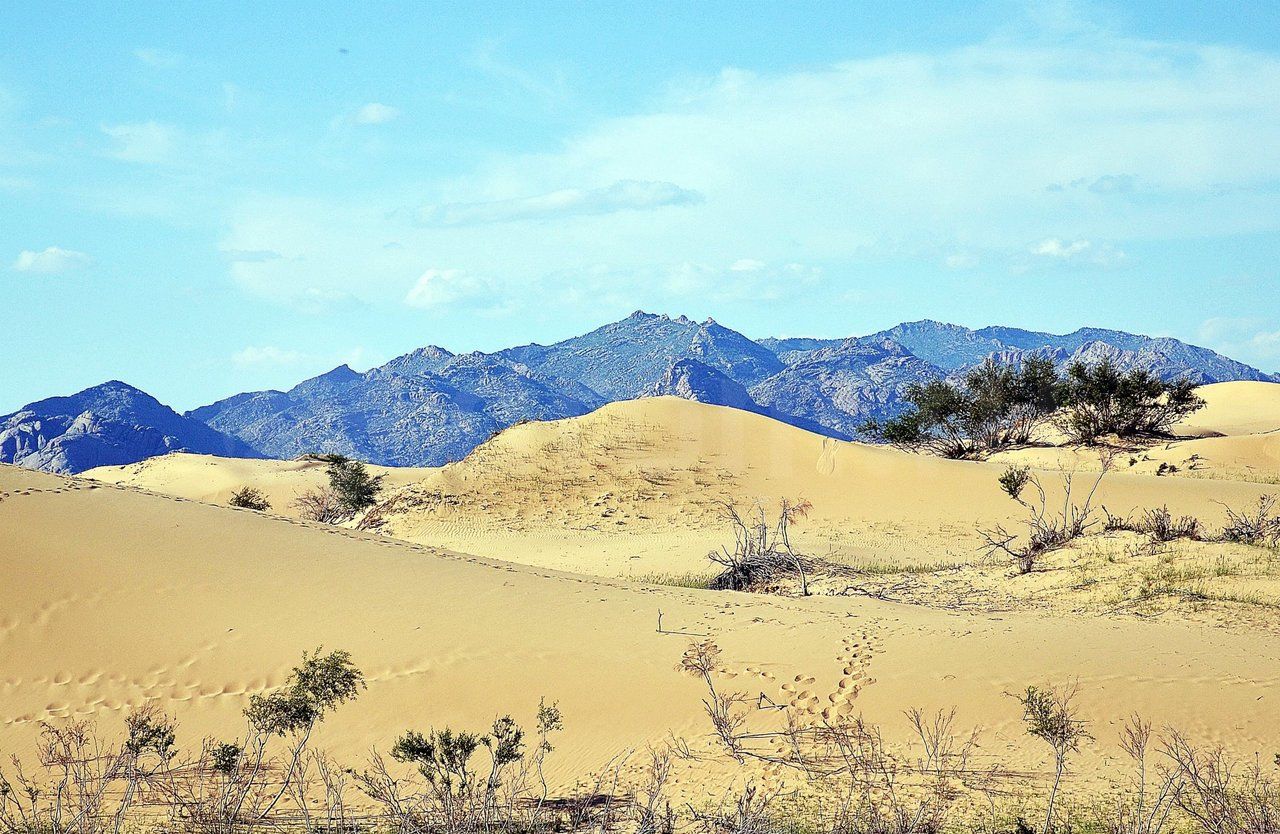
(352, 485)
(1100, 400)
(992, 407)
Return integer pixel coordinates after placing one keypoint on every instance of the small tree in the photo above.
(1051, 716)
(249, 498)
(992, 407)
(1100, 399)
(351, 483)
(314, 688)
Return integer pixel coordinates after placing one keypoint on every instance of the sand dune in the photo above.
(630, 489)
(1236, 408)
(114, 597)
(212, 479)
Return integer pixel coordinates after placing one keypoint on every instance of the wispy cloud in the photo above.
(158, 58)
(251, 256)
(960, 260)
(150, 143)
(267, 355)
(549, 88)
(1249, 338)
(1078, 251)
(623, 195)
(853, 166)
(51, 261)
(374, 113)
(443, 287)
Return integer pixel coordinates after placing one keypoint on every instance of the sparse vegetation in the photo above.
(1259, 526)
(1047, 529)
(320, 505)
(992, 407)
(249, 498)
(761, 551)
(845, 777)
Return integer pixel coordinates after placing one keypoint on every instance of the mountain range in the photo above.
(432, 406)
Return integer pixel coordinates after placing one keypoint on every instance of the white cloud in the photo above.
(1249, 339)
(144, 142)
(267, 355)
(747, 265)
(442, 287)
(1055, 248)
(51, 261)
(158, 58)
(374, 113)
(845, 166)
(622, 195)
(960, 260)
(1080, 252)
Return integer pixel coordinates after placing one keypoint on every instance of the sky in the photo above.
(201, 199)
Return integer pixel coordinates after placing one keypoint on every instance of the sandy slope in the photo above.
(1236, 408)
(113, 597)
(630, 489)
(213, 479)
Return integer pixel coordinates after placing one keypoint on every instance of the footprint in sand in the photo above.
(827, 458)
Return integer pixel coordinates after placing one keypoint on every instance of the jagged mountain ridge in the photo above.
(108, 424)
(431, 406)
(393, 417)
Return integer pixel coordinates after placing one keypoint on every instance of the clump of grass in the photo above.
(871, 567)
(1163, 526)
(691, 579)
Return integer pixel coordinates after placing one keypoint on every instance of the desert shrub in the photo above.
(1113, 523)
(1047, 528)
(762, 550)
(94, 786)
(1100, 400)
(322, 505)
(351, 484)
(1162, 526)
(1051, 716)
(457, 796)
(249, 498)
(1014, 479)
(991, 407)
(1222, 796)
(1259, 526)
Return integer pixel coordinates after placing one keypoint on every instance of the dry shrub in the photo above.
(1259, 526)
(1162, 526)
(762, 551)
(322, 505)
(1047, 528)
(249, 498)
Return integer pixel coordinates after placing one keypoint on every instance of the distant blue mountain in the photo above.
(622, 360)
(692, 380)
(431, 406)
(843, 386)
(108, 424)
(399, 414)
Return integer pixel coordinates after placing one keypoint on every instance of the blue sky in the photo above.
(202, 199)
